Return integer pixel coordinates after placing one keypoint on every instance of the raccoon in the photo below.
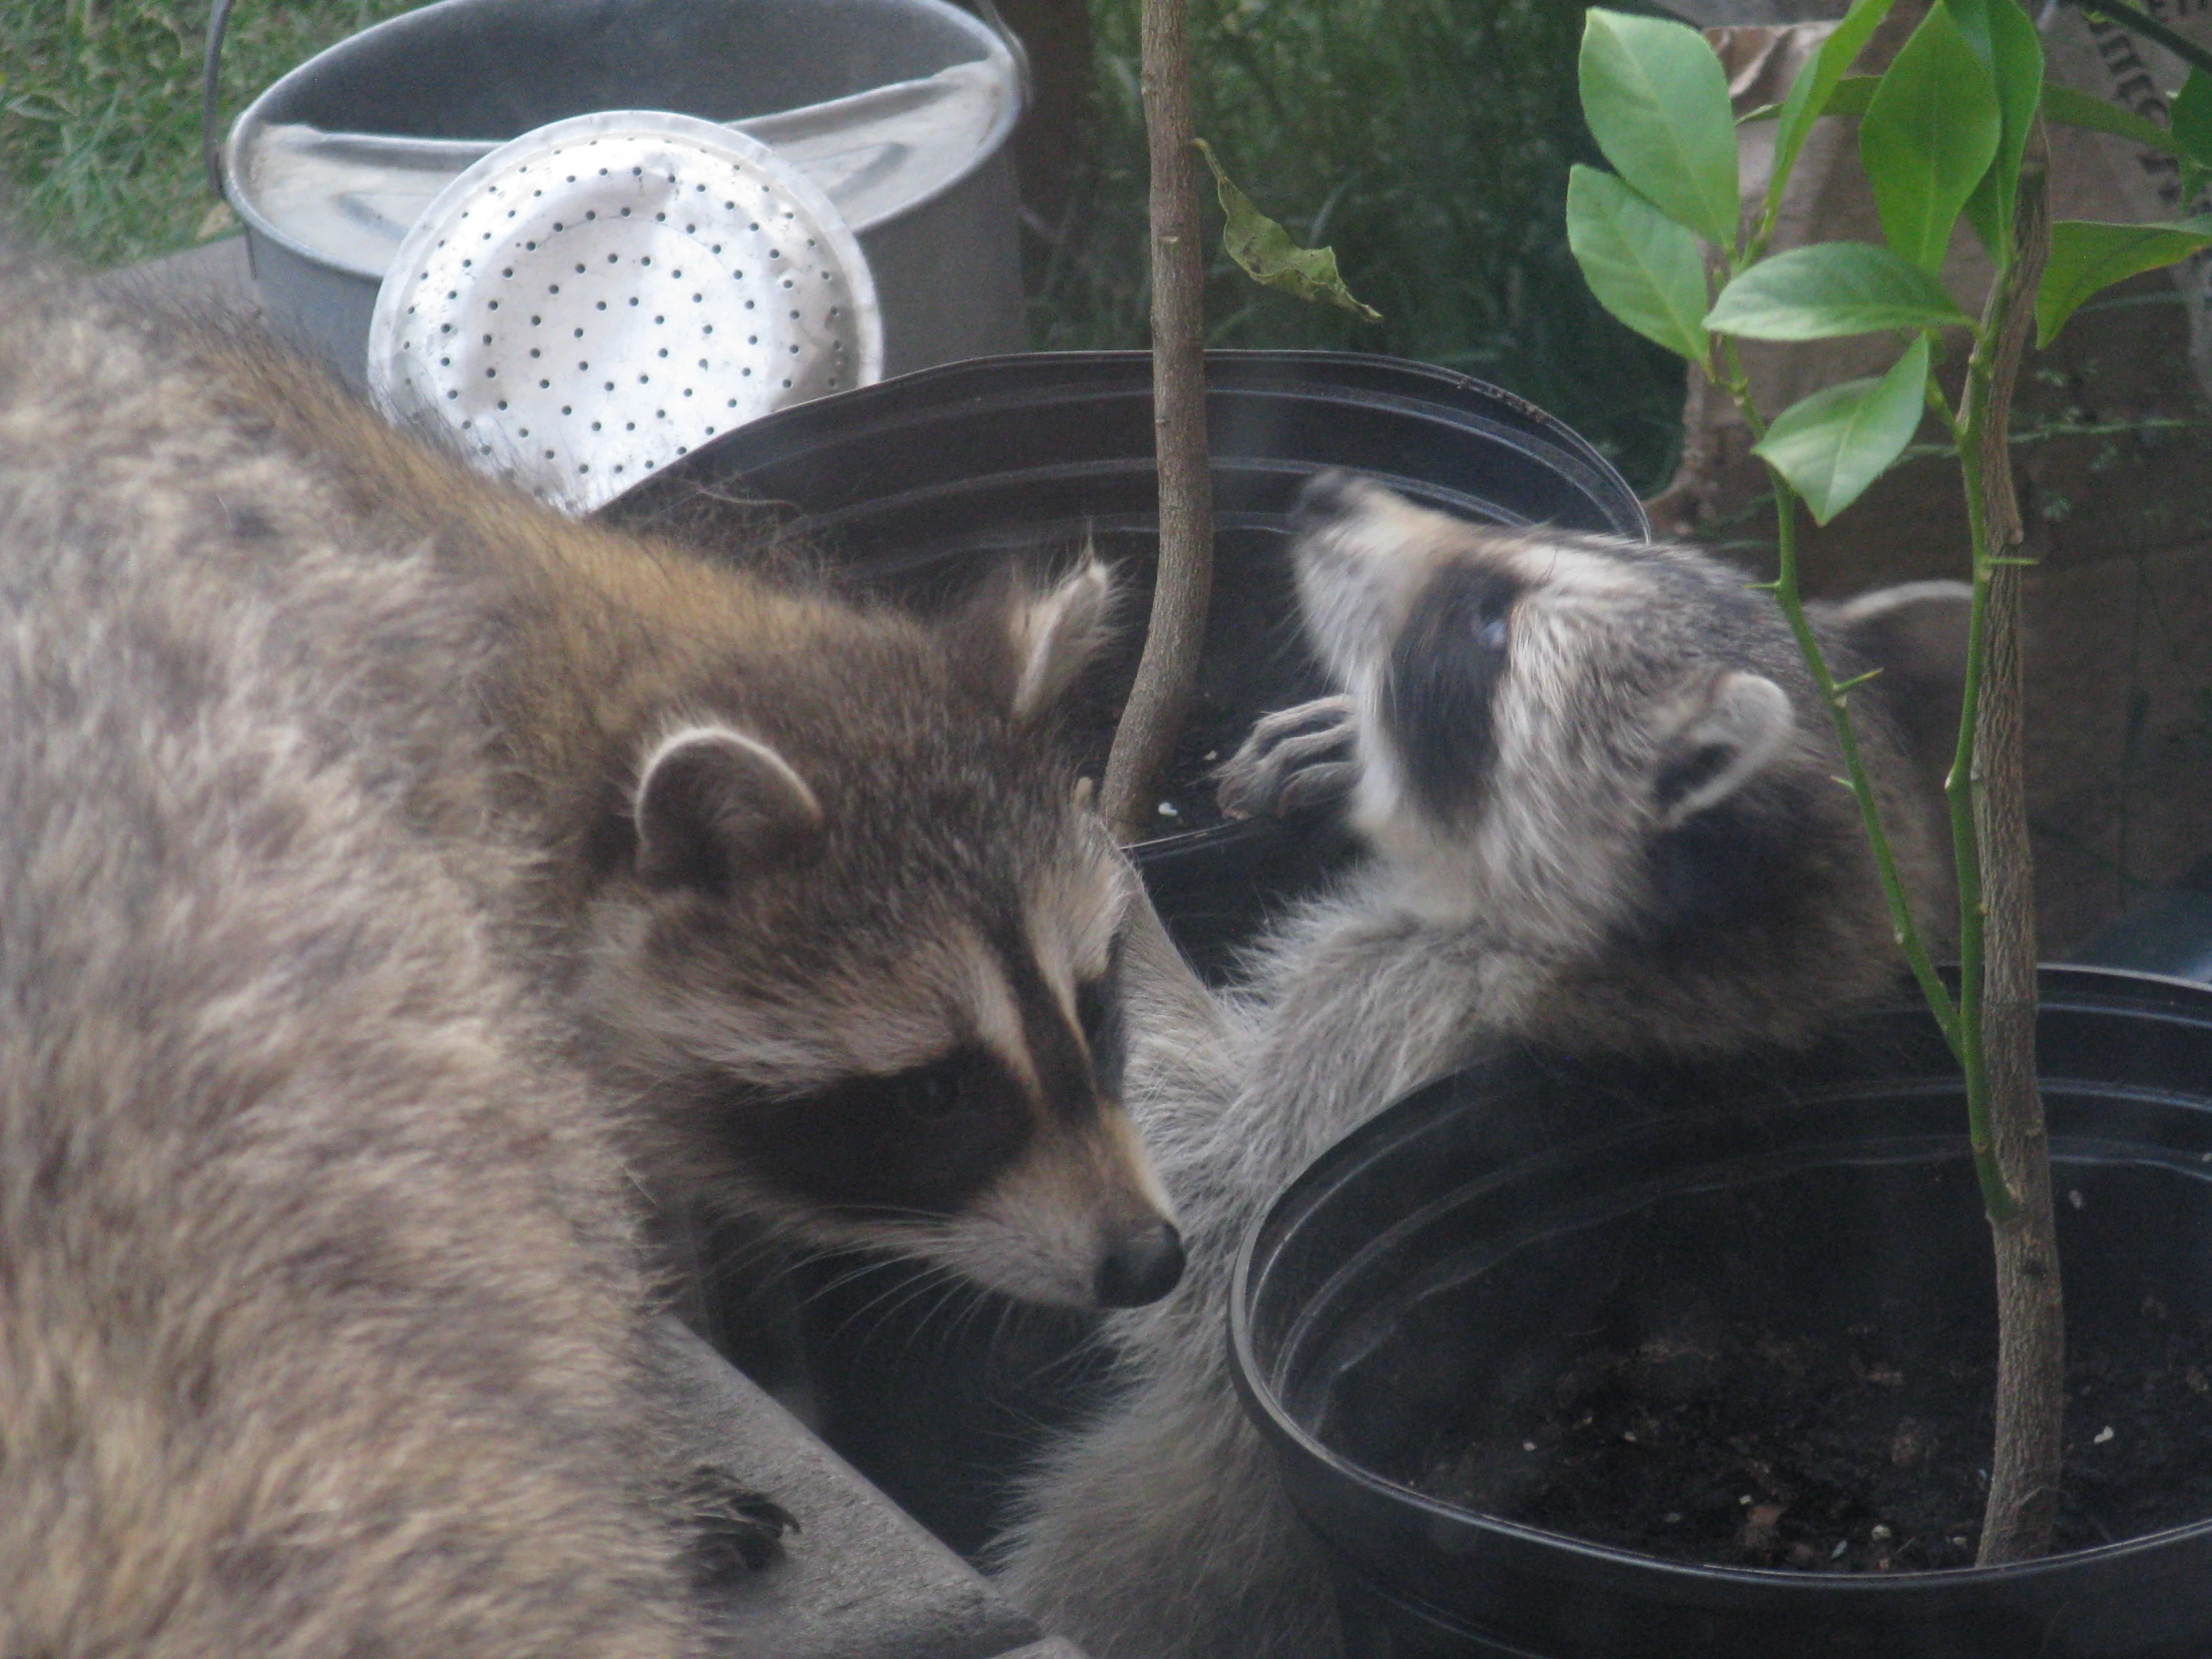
(1601, 801)
(393, 872)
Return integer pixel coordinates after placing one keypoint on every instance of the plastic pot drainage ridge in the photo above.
(1457, 1240)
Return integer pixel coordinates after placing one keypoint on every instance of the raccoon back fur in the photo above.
(1600, 795)
(380, 853)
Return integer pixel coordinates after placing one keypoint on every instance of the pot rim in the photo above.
(1649, 1575)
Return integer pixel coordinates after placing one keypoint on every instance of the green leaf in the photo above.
(2016, 61)
(1657, 103)
(1644, 267)
(2087, 257)
(1812, 93)
(1270, 258)
(1831, 289)
(2191, 117)
(1835, 443)
(2078, 109)
(1928, 138)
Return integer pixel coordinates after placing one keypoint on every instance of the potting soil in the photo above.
(1733, 1445)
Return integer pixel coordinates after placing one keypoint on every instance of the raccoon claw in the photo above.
(1296, 759)
(735, 1526)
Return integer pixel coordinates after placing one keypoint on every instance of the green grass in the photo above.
(1429, 142)
(1427, 139)
(100, 110)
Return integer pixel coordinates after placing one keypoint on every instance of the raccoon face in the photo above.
(1596, 741)
(862, 971)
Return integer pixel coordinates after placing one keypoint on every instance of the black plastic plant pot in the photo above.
(1441, 1265)
(923, 484)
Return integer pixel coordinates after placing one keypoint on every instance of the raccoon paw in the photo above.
(733, 1526)
(1294, 761)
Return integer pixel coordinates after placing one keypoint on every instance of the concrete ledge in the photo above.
(863, 1580)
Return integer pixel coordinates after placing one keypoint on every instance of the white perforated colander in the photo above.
(602, 295)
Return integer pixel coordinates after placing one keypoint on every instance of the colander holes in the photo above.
(774, 252)
(441, 241)
(445, 328)
(598, 305)
(612, 258)
(702, 362)
(753, 226)
(837, 310)
(595, 425)
(572, 178)
(729, 206)
(748, 305)
(643, 378)
(557, 225)
(753, 340)
(787, 385)
(649, 467)
(629, 426)
(660, 219)
(810, 243)
(626, 213)
(590, 213)
(683, 449)
(637, 172)
(660, 319)
(689, 231)
(664, 351)
(603, 173)
(445, 363)
(660, 414)
(707, 328)
(677, 275)
(567, 410)
(452, 294)
(535, 321)
(609, 385)
(549, 454)
(579, 267)
(732, 402)
(832, 382)
(745, 374)
(487, 339)
(633, 300)
(645, 258)
(618, 466)
(529, 248)
(579, 333)
(697, 298)
(508, 272)
(503, 403)
(716, 249)
(710, 432)
(410, 310)
(453, 395)
(552, 288)
(536, 351)
(491, 373)
(794, 318)
(545, 385)
(794, 350)
(583, 466)
(582, 366)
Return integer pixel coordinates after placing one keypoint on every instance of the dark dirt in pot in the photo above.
(1733, 1445)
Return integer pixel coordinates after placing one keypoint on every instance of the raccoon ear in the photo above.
(1057, 634)
(1916, 634)
(1735, 724)
(713, 803)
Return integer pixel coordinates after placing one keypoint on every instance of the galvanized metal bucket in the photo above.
(899, 109)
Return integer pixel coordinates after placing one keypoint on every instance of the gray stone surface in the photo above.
(861, 1581)
(214, 274)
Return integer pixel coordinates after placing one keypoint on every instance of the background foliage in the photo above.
(1427, 139)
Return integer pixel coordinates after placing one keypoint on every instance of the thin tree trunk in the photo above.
(1153, 718)
(2031, 1335)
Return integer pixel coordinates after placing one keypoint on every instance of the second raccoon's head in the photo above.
(857, 953)
(1612, 755)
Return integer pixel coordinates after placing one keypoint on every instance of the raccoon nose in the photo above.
(1322, 499)
(1142, 1265)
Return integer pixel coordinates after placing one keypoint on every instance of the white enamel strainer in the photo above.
(602, 295)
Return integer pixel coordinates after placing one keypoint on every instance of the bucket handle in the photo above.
(211, 86)
(988, 11)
